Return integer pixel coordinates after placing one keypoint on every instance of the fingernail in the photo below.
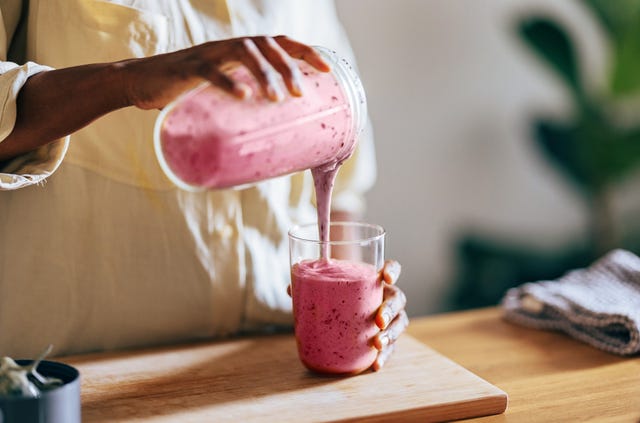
(241, 90)
(386, 318)
(384, 340)
(324, 66)
(274, 93)
(297, 87)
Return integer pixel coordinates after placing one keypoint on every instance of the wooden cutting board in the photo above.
(261, 380)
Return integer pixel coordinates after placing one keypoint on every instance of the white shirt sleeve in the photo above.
(36, 166)
(33, 167)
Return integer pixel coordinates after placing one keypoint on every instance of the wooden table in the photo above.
(548, 376)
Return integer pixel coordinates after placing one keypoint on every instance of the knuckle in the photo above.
(288, 69)
(391, 308)
(395, 297)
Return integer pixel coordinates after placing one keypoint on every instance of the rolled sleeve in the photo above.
(33, 167)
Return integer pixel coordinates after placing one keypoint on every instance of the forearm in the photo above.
(56, 103)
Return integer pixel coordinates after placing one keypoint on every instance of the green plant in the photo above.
(595, 149)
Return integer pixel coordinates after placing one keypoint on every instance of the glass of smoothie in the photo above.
(336, 290)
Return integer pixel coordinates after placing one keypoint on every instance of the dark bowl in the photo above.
(58, 405)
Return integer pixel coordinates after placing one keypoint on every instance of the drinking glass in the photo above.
(336, 291)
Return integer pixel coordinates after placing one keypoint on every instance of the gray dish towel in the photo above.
(599, 305)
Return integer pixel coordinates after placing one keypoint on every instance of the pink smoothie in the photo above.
(324, 179)
(209, 139)
(334, 306)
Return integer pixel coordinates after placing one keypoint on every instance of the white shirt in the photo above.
(108, 253)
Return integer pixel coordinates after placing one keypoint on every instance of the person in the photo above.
(108, 253)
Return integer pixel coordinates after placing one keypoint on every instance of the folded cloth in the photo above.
(599, 305)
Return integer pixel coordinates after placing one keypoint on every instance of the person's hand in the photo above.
(153, 82)
(391, 317)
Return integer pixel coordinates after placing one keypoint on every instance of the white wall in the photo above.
(450, 90)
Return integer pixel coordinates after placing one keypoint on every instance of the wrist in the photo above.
(122, 74)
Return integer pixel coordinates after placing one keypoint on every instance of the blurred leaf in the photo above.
(561, 145)
(609, 152)
(591, 152)
(626, 68)
(621, 20)
(623, 155)
(616, 16)
(552, 44)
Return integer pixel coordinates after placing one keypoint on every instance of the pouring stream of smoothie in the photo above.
(324, 178)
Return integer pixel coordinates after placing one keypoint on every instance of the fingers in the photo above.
(382, 357)
(262, 70)
(385, 340)
(394, 302)
(393, 320)
(289, 290)
(391, 271)
(302, 52)
(282, 63)
(221, 80)
(392, 333)
(152, 82)
(269, 60)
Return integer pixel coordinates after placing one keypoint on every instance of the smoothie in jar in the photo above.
(208, 139)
